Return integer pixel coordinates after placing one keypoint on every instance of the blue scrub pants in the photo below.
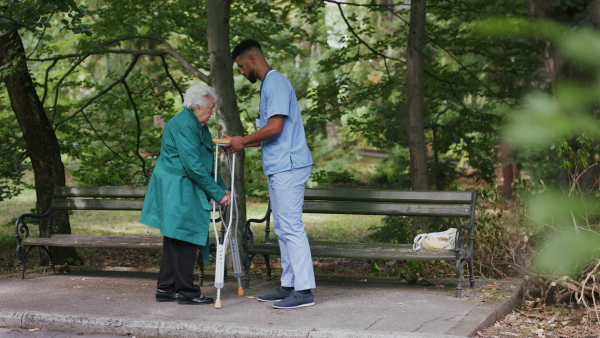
(287, 197)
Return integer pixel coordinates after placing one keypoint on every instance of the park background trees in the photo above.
(90, 84)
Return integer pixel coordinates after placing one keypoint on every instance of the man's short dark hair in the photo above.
(245, 46)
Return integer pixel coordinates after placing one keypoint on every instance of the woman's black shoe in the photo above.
(194, 301)
(163, 296)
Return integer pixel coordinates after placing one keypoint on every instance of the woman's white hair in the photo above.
(199, 94)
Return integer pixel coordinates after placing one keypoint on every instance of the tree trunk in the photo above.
(41, 142)
(228, 117)
(415, 84)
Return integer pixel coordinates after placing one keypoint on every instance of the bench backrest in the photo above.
(98, 198)
(390, 202)
(324, 201)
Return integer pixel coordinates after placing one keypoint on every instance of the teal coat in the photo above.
(182, 184)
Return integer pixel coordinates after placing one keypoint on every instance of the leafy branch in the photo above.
(168, 50)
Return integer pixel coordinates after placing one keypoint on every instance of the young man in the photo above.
(287, 163)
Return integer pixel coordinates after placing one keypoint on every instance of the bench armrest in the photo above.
(22, 229)
(248, 235)
(464, 245)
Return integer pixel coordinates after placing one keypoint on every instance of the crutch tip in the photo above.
(240, 291)
(217, 304)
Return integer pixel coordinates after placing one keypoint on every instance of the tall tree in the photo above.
(416, 95)
(221, 66)
(42, 145)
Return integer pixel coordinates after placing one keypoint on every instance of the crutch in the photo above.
(227, 237)
(232, 240)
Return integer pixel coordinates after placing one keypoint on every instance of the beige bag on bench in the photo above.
(436, 241)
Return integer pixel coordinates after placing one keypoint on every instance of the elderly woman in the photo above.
(177, 200)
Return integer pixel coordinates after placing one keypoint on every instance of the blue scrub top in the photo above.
(287, 150)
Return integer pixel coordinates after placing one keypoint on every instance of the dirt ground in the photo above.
(548, 321)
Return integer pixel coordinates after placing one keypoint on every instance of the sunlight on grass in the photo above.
(350, 228)
(13, 208)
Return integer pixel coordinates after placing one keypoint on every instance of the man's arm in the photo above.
(273, 128)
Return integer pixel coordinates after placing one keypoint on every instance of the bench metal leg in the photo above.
(471, 274)
(200, 267)
(459, 267)
(50, 261)
(268, 265)
(247, 262)
(22, 253)
(201, 274)
(22, 256)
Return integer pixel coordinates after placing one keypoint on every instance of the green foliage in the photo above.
(256, 182)
(411, 272)
(36, 14)
(114, 140)
(401, 229)
(571, 224)
(12, 167)
(467, 77)
(328, 178)
(102, 96)
(398, 229)
(25, 17)
(565, 123)
(75, 262)
(394, 170)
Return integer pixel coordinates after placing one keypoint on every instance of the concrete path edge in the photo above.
(486, 316)
(176, 329)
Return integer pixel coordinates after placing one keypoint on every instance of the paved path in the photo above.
(122, 303)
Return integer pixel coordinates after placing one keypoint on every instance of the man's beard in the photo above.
(252, 76)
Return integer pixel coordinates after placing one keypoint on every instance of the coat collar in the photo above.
(206, 137)
(190, 113)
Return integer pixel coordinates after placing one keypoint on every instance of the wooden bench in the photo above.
(86, 198)
(460, 205)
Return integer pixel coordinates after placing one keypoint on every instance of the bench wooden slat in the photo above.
(104, 192)
(360, 250)
(97, 241)
(373, 208)
(371, 195)
(97, 204)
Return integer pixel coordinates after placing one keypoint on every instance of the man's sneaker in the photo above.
(278, 294)
(295, 300)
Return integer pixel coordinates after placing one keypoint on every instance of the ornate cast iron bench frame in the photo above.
(86, 198)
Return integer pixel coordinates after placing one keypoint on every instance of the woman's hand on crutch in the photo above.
(226, 200)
